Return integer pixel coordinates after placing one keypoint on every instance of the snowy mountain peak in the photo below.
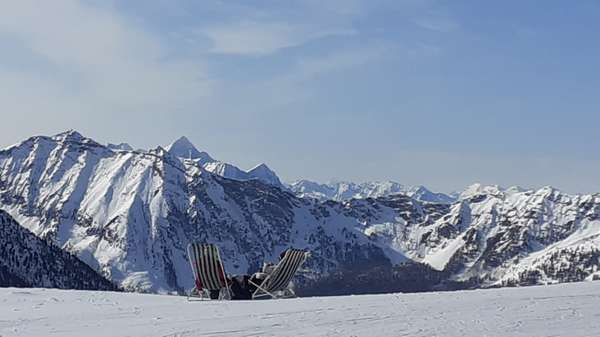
(502, 193)
(262, 167)
(477, 189)
(183, 148)
(515, 189)
(424, 194)
(264, 173)
(549, 190)
(120, 147)
(69, 135)
(342, 191)
(226, 170)
(161, 151)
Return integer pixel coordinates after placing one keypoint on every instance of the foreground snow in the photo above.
(559, 310)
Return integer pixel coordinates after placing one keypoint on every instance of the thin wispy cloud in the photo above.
(339, 60)
(91, 60)
(294, 86)
(258, 38)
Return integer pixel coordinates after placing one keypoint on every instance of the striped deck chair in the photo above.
(208, 271)
(276, 283)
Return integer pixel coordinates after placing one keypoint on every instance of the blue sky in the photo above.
(441, 93)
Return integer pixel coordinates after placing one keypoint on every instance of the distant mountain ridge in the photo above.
(121, 146)
(130, 214)
(343, 191)
(184, 149)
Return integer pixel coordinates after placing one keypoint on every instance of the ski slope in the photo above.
(558, 310)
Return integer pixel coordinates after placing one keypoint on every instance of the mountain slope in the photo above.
(26, 260)
(131, 214)
(509, 238)
(263, 173)
(490, 237)
(343, 191)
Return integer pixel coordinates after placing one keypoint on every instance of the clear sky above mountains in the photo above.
(441, 93)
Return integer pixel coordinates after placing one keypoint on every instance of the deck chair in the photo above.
(208, 271)
(275, 285)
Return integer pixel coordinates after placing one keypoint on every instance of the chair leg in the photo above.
(225, 294)
(197, 294)
(263, 294)
(259, 288)
(258, 295)
(192, 293)
(289, 293)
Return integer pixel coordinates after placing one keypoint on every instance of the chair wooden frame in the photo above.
(276, 284)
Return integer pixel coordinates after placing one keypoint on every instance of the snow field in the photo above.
(559, 310)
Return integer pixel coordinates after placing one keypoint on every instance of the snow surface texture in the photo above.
(130, 214)
(560, 310)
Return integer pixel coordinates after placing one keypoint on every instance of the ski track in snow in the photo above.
(559, 310)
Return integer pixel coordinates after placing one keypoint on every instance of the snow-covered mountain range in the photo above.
(344, 190)
(183, 149)
(494, 237)
(130, 214)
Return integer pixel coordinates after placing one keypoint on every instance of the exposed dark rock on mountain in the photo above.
(26, 260)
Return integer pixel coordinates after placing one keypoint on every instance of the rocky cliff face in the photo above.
(130, 214)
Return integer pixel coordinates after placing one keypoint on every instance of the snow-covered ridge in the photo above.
(184, 149)
(130, 214)
(343, 191)
(121, 146)
(477, 189)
